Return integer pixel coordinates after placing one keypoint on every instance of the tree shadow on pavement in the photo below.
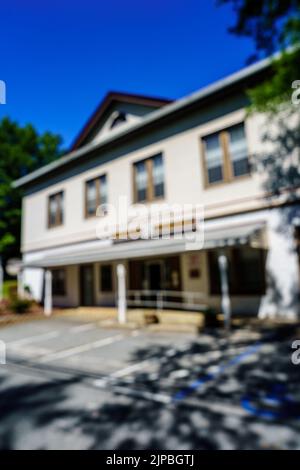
(216, 414)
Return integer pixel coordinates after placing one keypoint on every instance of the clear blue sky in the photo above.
(59, 58)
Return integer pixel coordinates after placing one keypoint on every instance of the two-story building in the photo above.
(204, 149)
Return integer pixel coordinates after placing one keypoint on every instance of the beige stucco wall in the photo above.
(199, 284)
(183, 184)
(105, 298)
(71, 299)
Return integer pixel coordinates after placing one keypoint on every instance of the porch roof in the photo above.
(112, 251)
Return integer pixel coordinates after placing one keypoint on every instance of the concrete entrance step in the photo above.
(156, 320)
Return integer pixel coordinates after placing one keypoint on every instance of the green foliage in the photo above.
(274, 25)
(18, 305)
(9, 289)
(278, 88)
(22, 150)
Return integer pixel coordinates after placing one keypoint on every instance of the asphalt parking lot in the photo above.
(88, 386)
(87, 346)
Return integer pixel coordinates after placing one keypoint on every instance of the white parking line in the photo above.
(32, 351)
(139, 365)
(82, 348)
(35, 338)
(156, 397)
(51, 334)
(129, 369)
(84, 327)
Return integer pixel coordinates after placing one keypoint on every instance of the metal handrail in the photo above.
(162, 299)
(175, 293)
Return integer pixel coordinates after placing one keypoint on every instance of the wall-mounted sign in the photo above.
(194, 266)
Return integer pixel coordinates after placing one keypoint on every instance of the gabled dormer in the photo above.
(116, 110)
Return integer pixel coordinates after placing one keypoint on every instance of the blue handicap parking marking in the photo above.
(272, 405)
(193, 386)
(197, 384)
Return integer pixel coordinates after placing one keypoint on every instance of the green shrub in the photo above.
(18, 305)
(10, 289)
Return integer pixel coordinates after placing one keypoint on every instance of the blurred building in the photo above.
(204, 149)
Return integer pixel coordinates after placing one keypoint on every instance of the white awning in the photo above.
(98, 251)
(232, 235)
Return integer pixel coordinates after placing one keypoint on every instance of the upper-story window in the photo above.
(225, 155)
(149, 179)
(95, 195)
(56, 209)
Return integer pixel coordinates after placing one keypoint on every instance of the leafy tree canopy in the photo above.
(274, 25)
(22, 150)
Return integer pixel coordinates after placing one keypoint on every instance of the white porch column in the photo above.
(20, 284)
(121, 274)
(225, 302)
(282, 267)
(48, 293)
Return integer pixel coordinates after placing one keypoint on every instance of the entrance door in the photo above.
(155, 276)
(87, 285)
